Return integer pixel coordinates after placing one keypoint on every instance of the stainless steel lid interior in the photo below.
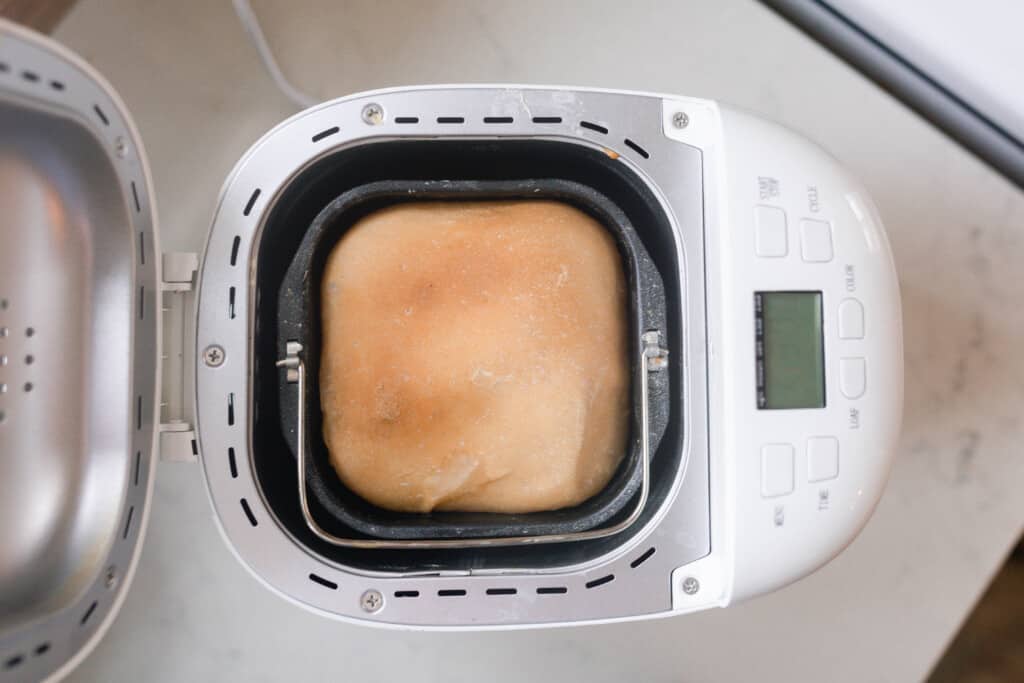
(78, 354)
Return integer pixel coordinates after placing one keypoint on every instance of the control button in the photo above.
(822, 458)
(816, 240)
(852, 377)
(851, 319)
(776, 469)
(770, 231)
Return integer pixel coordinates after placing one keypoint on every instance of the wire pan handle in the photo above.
(652, 358)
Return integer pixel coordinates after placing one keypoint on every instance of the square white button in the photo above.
(815, 240)
(853, 377)
(822, 458)
(770, 231)
(776, 469)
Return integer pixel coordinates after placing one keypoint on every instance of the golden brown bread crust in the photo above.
(475, 356)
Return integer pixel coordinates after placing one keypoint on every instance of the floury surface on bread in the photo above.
(475, 356)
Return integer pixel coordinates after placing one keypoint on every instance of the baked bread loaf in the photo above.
(475, 356)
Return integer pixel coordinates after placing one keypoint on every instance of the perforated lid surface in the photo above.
(79, 354)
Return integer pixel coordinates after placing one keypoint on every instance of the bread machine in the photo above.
(768, 389)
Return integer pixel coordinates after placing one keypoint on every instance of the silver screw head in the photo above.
(373, 114)
(690, 585)
(120, 147)
(214, 356)
(371, 601)
(111, 578)
(680, 119)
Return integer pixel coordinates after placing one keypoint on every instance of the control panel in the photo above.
(806, 372)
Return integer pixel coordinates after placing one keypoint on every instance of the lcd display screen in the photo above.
(790, 350)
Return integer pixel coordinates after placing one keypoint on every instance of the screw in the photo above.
(680, 119)
(111, 578)
(371, 601)
(214, 356)
(691, 585)
(373, 114)
(120, 147)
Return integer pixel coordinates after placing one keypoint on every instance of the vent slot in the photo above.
(231, 409)
(501, 591)
(138, 413)
(323, 582)
(248, 511)
(135, 198)
(142, 248)
(57, 85)
(608, 578)
(552, 590)
(637, 148)
(252, 201)
(138, 462)
(128, 522)
(237, 242)
(594, 127)
(14, 662)
(643, 558)
(99, 112)
(33, 77)
(231, 302)
(142, 303)
(88, 613)
(41, 649)
(451, 592)
(407, 594)
(325, 134)
(451, 119)
(231, 463)
(498, 119)
(407, 119)
(547, 119)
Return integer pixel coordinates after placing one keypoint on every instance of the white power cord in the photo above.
(251, 24)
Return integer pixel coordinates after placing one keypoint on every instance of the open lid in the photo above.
(79, 354)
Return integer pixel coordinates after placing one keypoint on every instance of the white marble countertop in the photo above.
(883, 610)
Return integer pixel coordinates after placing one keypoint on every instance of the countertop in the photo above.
(883, 610)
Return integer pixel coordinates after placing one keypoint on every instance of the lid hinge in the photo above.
(177, 435)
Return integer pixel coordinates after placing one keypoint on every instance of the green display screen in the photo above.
(790, 350)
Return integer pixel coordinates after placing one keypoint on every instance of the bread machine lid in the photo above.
(80, 344)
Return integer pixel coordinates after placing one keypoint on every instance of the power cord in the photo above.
(251, 24)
